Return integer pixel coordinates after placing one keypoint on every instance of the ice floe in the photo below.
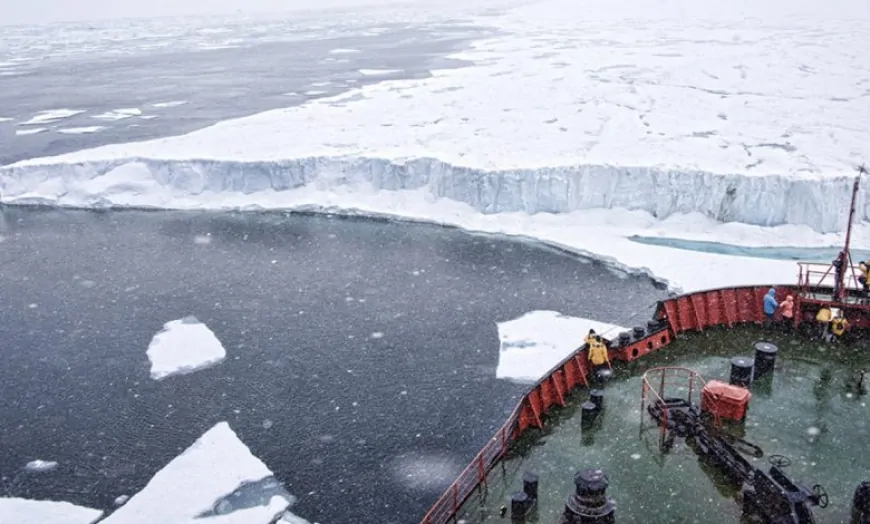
(24, 511)
(119, 114)
(534, 343)
(172, 103)
(80, 130)
(378, 72)
(30, 131)
(217, 479)
(39, 466)
(52, 115)
(183, 346)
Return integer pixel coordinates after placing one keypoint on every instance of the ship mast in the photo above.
(844, 259)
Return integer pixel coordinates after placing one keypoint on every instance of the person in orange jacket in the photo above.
(787, 310)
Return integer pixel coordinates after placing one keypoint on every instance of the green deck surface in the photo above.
(807, 410)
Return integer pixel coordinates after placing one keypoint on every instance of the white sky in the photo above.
(40, 11)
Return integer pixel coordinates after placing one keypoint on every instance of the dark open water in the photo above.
(283, 295)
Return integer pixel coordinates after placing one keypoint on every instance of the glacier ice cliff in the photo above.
(818, 202)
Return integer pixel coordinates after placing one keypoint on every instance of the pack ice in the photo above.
(571, 107)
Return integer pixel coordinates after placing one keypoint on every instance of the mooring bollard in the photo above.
(588, 412)
(765, 358)
(741, 371)
(596, 396)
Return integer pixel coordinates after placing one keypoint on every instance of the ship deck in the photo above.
(808, 409)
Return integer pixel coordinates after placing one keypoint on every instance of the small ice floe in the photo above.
(119, 501)
(379, 72)
(202, 239)
(183, 346)
(267, 424)
(32, 306)
(635, 456)
(32, 131)
(119, 114)
(40, 466)
(80, 130)
(173, 103)
(52, 115)
(377, 334)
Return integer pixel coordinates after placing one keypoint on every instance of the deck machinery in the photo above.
(835, 285)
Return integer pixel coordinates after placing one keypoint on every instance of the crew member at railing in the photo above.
(864, 277)
(839, 263)
(770, 306)
(598, 354)
(590, 337)
(787, 308)
(839, 326)
(823, 322)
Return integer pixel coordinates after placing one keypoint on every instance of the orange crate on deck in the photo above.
(724, 400)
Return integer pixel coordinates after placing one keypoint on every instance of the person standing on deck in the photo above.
(839, 264)
(838, 327)
(787, 308)
(823, 322)
(598, 354)
(864, 277)
(769, 307)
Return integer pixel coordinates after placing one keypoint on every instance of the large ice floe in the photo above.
(577, 125)
(184, 346)
(24, 511)
(534, 343)
(216, 479)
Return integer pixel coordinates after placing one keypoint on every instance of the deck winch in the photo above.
(589, 503)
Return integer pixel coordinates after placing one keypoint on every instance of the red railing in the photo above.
(691, 312)
(655, 383)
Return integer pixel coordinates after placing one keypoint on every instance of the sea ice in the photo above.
(119, 114)
(341, 51)
(183, 346)
(23, 511)
(206, 481)
(80, 130)
(534, 343)
(40, 465)
(30, 131)
(570, 108)
(378, 72)
(173, 103)
(52, 115)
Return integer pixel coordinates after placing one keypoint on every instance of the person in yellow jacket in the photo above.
(590, 337)
(823, 322)
(864, 277)
(598, 353)
(839, 326)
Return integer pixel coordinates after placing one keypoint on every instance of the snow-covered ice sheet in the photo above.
(52, 115)
(574, 107)
(194, 484)
(183, 346)
(24, 511)
(535, 342)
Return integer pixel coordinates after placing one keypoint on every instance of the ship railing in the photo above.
(814, 277)
(475, 475)
(658, 384)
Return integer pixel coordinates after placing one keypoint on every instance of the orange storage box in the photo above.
(724, 400)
